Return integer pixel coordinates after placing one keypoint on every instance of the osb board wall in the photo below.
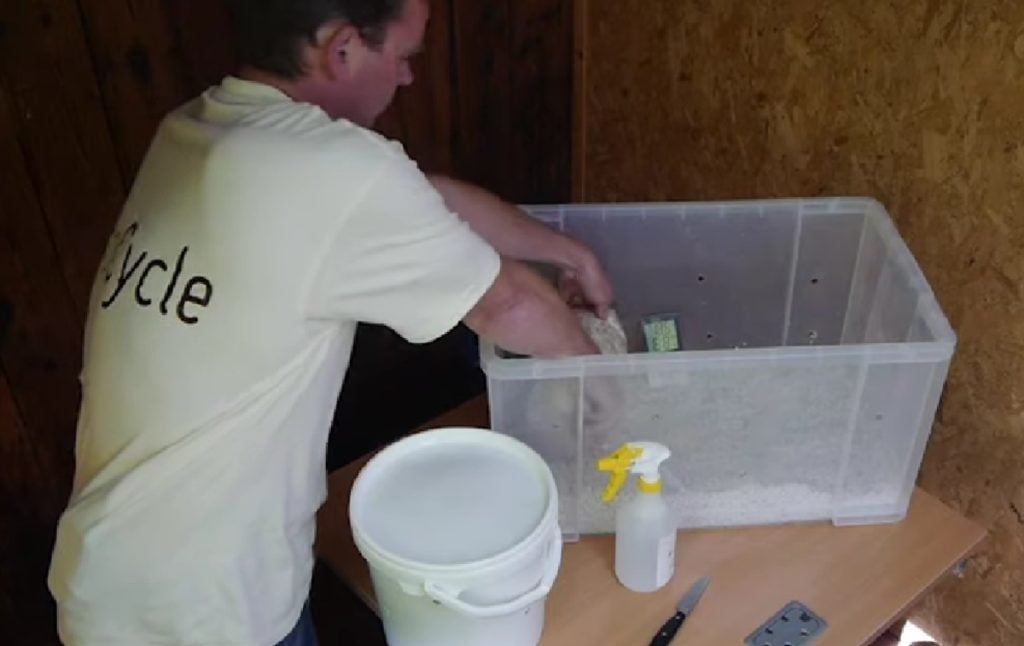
(919, 103)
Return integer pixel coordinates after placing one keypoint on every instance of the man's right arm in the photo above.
(525, 315)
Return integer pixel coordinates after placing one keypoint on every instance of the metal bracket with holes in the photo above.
(794, 625)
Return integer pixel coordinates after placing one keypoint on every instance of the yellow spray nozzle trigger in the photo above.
(641, 458)
(619, 465)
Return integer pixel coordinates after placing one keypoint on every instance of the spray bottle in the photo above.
(645, 534)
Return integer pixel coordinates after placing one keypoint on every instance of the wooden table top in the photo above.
(859, 579)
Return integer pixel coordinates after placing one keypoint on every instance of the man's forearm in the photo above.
(523, 314)
(510, 231)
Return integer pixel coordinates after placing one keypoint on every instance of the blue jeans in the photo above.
(303, 634)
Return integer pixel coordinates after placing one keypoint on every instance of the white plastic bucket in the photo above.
(460, 529)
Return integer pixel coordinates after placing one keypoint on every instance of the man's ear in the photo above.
(341, 51)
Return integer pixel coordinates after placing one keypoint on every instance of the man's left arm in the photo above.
(516, 235)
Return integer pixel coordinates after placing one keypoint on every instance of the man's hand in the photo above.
(522, 313)
(586, 285)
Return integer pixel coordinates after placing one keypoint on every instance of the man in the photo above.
(265, 222)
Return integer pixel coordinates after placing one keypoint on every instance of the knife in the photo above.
(686, 606)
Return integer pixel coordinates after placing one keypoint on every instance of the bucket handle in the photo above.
(452, 601)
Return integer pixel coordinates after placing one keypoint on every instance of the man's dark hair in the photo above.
(270, 34)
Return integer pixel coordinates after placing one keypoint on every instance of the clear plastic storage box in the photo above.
(814, 355)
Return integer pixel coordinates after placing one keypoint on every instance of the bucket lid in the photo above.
(451, 497)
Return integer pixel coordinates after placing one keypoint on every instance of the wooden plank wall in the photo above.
(83, 85)
(919, 103)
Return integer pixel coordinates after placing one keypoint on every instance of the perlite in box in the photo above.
(814, 354)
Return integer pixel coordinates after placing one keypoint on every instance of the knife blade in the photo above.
(686, 606)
